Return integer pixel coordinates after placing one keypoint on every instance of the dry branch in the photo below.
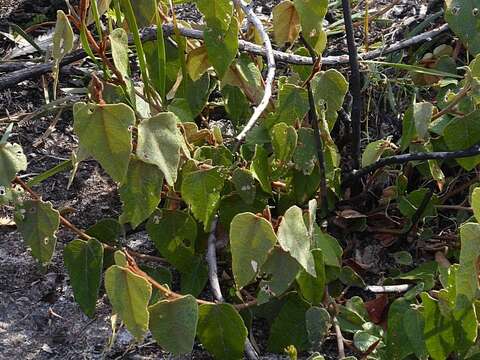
(404, 158)
(257, 23)
(25, 71)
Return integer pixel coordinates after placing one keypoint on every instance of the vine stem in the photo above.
(82, 234)
(405, 158)
(355, 84)
(215, 283)
(130, 253)
(257, 23)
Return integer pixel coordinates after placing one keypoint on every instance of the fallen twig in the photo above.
(338, 332)
(271, 68)
(404, 158)
(377, 289)
(27, 71)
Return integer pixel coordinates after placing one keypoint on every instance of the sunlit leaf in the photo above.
(251, 239)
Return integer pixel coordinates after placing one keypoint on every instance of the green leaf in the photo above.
(222, 46)
(197, 62)
(222, 331)
(292, 105)
(84, 262)
(12, 160)
(217, 155)
(160, 274)
(104, 132)
(140, 192)
(438, 331)
(409, 204)
(349, 277)
(463, 18)
(131, 20)
(244, 185)
(312, 13)
(232, 204)
(305, 155)
(236, 104)
(201, 191)
(476, 203)
(63, 37)
(467, 275)
(106, 231)
(329, 89)
(312, 288)
(173, 324)
(218, 13)
(403, 258)
(260, 168)
(129, 295)
(398, 345)
(251, 239)
(331, 249)
(318, 324)
(422, 114)
(413, 324)
(194, 279)
(284, 141)
(465, 324)
(170, 231)
(144, 12)
(280, 270)
(374, 151)
(119, 46)
(289, 326)
(462, 133)
(247, 77)
(286, 23)
(62, 44)
(38, 221)
(293, 237)
(159, 144)
(364, 340)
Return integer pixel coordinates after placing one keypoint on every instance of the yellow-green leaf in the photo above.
(251, 239)
(12, 160)
(222, 331)
(201, 190)
(38, 221)
(173, 324)
(286, 23)
(104, 132)
(129, 295)
(159, 144)
(84, 262)
(293, 237)
(140, 192)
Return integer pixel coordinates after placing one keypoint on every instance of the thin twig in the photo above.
(271, 68)
(355, 84)
(212, 263)
(404, 158)
(28, 71)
